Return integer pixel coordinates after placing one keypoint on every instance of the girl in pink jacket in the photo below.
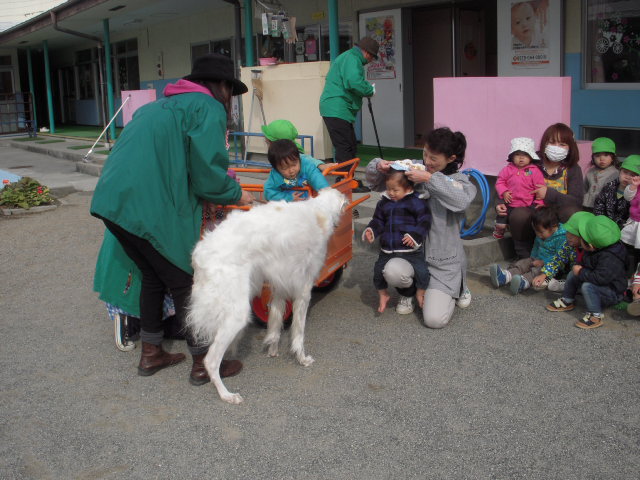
(516, 182)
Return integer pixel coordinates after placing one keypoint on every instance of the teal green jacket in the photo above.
(117, 278)
(169, 158)
(345, 86)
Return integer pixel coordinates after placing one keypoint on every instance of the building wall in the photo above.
(613, 108)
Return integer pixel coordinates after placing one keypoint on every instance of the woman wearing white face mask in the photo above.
(563, 186)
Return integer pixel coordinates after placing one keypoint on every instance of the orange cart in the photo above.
(340, 247)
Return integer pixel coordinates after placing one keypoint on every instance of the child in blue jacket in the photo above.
(550, 239)
(401, 221)
(289, 172)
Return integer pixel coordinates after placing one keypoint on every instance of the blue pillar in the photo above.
(47, 77)
(107, 62)
(248, 33)
(34, 120)
(334, 30)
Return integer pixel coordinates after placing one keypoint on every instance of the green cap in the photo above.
(632, 163)
(603, 145)
(600, 231)
(281, 130)
(576, 220)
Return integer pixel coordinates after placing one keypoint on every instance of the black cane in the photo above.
(375, 129)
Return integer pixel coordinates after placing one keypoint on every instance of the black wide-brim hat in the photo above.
(215, 67)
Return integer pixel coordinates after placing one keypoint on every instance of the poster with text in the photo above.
(529, 37)
(382, 30)
(529, 33)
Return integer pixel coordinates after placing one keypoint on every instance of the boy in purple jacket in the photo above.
(401, 221)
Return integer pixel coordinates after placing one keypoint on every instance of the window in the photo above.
(125, 65)
(612, 53)
(223, 47)
(627, 140)
(85, 60)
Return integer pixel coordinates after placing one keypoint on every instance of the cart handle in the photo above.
(358, 201)
(334, 166)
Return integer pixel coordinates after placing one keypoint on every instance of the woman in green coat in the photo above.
(169, 158)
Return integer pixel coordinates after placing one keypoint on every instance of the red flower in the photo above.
(40, 190)
(5, 181)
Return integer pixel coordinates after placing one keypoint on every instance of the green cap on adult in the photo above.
(576, 220)
(632, 163)
(600, 231)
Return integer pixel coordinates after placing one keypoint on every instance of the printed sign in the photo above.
(382, 30)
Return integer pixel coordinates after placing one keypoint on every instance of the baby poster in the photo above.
(529, 42)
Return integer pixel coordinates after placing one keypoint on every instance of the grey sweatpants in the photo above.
(438, 306)
(525, 267)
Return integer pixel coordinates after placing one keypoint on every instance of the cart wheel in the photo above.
(260, 307)
(328, 283)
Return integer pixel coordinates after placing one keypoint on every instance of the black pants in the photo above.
(159, 275)
(343, 138)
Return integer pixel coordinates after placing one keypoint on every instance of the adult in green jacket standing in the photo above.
(341, 99)
(169, 158)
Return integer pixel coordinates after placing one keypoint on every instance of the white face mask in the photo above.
(555, 153)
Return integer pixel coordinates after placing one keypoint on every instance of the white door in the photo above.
(386, 73)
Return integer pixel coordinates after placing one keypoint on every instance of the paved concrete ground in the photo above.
(506, 391)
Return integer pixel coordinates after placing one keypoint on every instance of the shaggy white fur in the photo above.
(283, 244)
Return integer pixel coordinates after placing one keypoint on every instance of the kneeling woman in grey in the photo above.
(450, 193)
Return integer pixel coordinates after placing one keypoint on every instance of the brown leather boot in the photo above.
(199, 375)
(154, 358)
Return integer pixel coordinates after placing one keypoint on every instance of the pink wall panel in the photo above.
(491, 111)
(138, 98)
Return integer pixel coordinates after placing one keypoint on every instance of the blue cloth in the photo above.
(392, 220)
(315, 161)
(546, 250)
(279, 188)
(12, 177)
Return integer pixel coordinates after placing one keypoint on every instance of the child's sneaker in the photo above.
(518, 284)
(499, 277)
(560, 305)
(405, 305)
(464, 300)
(498, 231)
(556, 285)
(542, 286)
(590, 321)
(634, 308)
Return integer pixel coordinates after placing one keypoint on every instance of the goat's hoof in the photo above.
(232, 398)
(306, 360)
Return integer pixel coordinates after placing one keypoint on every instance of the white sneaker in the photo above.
(556, 285)
(464, 300)
(405, 305)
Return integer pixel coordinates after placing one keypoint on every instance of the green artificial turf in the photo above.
(55, 140)
(24, 139)
(79, 147)
(368, 152)
(83, 131)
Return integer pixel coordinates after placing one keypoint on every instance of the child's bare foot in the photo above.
(420, 297)
(384, 299)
